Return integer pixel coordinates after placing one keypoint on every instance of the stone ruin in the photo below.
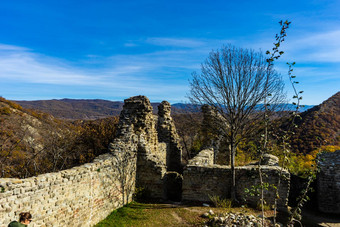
(328, 182)
(156, 144)
(159, 166)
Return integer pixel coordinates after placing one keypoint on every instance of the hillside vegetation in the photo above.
(33, 142)
(318, 126)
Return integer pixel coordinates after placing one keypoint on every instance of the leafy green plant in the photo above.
(273, 55)
(289, 131)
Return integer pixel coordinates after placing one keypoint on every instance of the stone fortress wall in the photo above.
(144, 154)
(81, 196)
(328, 182)
(202, 178)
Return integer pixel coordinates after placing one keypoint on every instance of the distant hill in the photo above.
(75, 108)
(86, 109)
(90, 109)
(318, 126)
(302, 108)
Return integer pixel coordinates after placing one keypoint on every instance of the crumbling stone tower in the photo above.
(167, 133)
(158, 163)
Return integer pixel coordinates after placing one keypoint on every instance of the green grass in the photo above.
(153, 215)
(128, 215)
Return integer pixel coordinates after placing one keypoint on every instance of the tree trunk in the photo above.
(233, 175)
(229, 155)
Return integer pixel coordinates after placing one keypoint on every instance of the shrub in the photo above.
(11, 104)
(5, 111)
(220, 202)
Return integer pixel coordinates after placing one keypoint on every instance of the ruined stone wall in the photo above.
(137, 132)
(81, 196)
(328, 182)
(136, 121)
(205, 157)
(212, 125)
(201, 179)
(167, 133)
(150, 175)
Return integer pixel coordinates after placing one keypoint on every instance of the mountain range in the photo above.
(86, 109)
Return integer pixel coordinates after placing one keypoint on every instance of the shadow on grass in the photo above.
(125, 216)
(156, 204)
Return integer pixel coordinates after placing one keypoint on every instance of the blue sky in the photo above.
(112, 50)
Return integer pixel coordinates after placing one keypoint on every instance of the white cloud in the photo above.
(22, 66)
(315, 47)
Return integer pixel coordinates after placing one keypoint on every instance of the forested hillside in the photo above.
(33, 142)
(75, 108)
(318, 126)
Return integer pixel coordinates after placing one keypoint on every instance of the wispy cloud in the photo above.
(130, 44)
(176, 42)
(159, 74)
(25, 67)
(4, 47)
(315, 47)
(124, 75)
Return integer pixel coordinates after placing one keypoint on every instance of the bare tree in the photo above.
(235, 82)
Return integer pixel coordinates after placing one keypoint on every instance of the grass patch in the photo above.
(139, 214)
(128, 215)
(153, 215)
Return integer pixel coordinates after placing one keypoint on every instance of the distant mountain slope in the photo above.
(318, 126)
(85, 109)
(303, 108)
(75, 108)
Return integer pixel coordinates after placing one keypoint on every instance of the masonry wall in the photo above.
(167, 133)
(150, 175)
(328, 182)
(202, 179)
(81, 196)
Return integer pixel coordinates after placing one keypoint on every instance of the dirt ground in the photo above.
(312, 218)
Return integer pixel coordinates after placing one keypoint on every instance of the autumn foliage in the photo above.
(34, 142)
